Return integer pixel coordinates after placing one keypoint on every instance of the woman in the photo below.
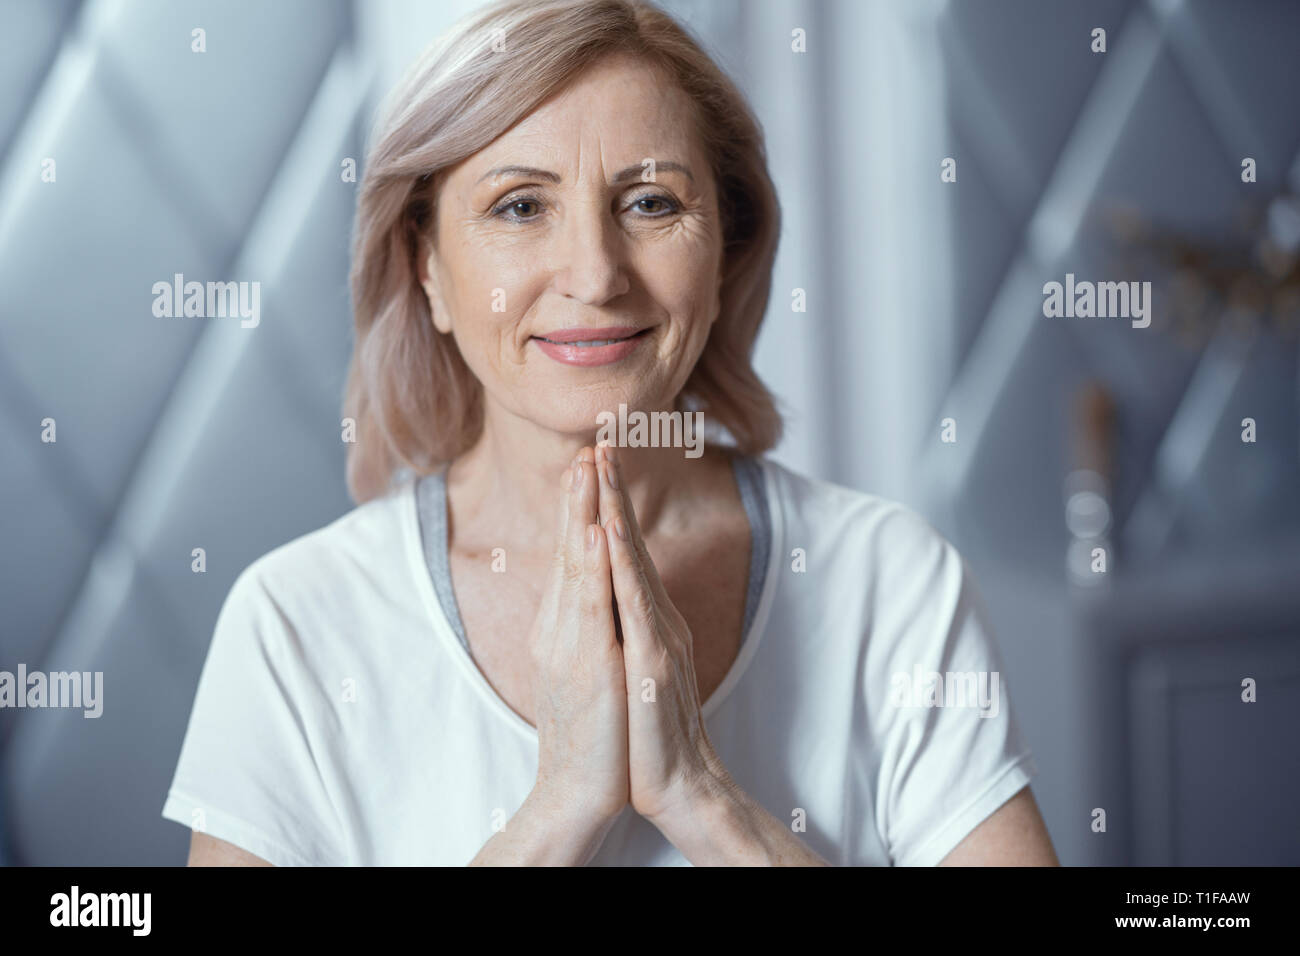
(540, 648)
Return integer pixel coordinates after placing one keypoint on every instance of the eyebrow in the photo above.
(631, 172)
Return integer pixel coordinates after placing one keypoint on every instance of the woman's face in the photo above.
(548, 240)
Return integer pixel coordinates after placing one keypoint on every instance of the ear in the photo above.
(428, 271)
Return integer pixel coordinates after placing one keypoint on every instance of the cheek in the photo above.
(491, 295)
(683, 274)
(689, 300)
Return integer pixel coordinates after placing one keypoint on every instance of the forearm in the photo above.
(730, 828)
(541, 833)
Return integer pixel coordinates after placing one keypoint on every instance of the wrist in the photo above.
(712, 827)
(709, 801)
(703, 791)
(570, 822)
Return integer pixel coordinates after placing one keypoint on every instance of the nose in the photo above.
(590, 265)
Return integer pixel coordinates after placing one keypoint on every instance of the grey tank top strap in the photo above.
(431, 503)
(753, 494)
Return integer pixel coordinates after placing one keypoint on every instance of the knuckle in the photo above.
(572, 570)
(588, 610)
(643, 580)
(642, 604)
(558, 556)
(643, 555)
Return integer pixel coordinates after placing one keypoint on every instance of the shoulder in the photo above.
(353, 555)
(889, 576)
(850, 525)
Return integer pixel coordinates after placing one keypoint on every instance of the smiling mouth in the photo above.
(590, 343)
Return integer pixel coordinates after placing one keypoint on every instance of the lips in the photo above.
(571, 336)
(587, 347)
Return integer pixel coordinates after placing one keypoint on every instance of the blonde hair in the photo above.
(414, 401)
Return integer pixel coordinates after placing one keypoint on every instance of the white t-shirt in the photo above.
(339, 720)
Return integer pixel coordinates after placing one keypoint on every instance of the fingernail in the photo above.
(611, 479)
(591, 537)
(620, 528)
(577, 476)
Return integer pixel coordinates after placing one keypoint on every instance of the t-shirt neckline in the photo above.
(445, 632)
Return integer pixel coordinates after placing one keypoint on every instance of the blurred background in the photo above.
(924, 304)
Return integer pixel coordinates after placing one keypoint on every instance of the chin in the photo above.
(578, 411)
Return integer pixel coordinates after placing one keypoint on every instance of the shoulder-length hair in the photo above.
(414, 401)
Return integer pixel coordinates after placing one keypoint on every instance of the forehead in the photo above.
(622, 107)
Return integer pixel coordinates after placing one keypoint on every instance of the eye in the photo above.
(513, 205)
(665, 205)
(516, 208)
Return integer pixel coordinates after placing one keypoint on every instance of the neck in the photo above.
(515, 469)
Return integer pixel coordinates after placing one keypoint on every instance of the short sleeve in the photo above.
(950, 751)
(251, 769)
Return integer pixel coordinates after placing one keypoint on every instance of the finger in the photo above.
(587, 500)
(633, 597)
(636, 582)
(607, 508)
(616, 503)
(597, 589)
(560, 555)
(582, 512)
(561, 532)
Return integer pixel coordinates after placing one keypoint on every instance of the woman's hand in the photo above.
(677, 780)
(671, 764)
(578, 684)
